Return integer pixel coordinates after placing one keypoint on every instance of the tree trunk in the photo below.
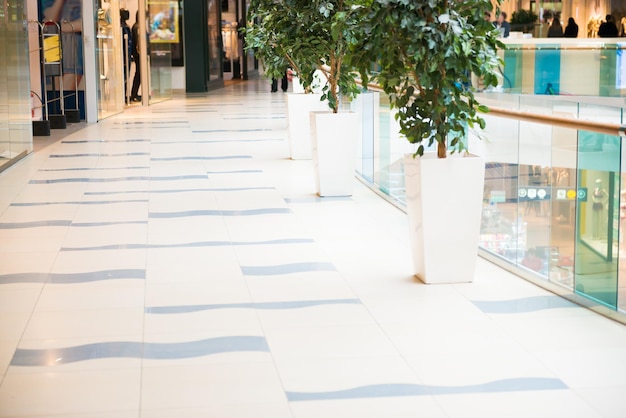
(442, 150)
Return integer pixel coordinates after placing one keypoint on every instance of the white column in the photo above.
(143, 55)
(91, 67)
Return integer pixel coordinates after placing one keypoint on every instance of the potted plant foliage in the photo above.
(524, 20)
(317, 35)
(272, 36)
(426, 52)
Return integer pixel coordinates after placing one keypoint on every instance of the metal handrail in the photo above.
(560, 121)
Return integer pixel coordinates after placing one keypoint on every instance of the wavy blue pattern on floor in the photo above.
(125, 154)
(62, 222)
(190, 245)
(523, 305)
(118, 179)
(82, 202)
(299, 304)
(35, 224)
(191, 213)
(68, 278)
(198, 158)
(93, 169)
(286, 269)
(522, 384)
(98, 224)
(225, 189)
(132, 349)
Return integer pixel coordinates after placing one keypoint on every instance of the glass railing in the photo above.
(554, 204)
(560, 66)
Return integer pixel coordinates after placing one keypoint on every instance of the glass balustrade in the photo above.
(554, 204)
(553, 66)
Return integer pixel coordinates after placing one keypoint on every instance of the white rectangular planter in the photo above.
(298, 88)
(334, 137)
(298, 108)
(444, 203)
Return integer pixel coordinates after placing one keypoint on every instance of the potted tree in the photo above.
(272, 35)
(317, 35)
(426, 52)
(329, 28)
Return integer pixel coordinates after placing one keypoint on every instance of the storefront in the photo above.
(16, 139)
(588, 14)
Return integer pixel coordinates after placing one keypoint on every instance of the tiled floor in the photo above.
(172, 262)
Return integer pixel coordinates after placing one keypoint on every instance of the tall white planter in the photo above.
(298, 108)
(444, 203)
(298, 88)
(334, 137)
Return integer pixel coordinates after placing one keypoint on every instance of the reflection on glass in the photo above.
(160, 72)
(15, 117)
(597, 243)
(563, 219)
(554, 201)
(109, 55)
(622, 241)
(557, 68)
(215, 41)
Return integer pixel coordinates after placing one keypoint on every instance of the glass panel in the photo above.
(5, 142)
(367, 105)
(598, 217)
(563, 194)
(163, 30)
(540, 181)
(231, 50)
(621, 299)
(15, 115)
(215, 41)
(503, 231)
(109, 57)
(160, 72)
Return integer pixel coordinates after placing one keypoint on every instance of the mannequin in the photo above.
(599, 198)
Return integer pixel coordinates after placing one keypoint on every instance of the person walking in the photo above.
(571, 30)
(284, 83)
(555, 30)
(608, 29)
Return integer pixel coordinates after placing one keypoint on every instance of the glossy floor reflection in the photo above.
(173, 262)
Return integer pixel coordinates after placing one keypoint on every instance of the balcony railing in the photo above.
(554, 204)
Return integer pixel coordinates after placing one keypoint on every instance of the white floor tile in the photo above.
(210, 384)
(64, 394)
